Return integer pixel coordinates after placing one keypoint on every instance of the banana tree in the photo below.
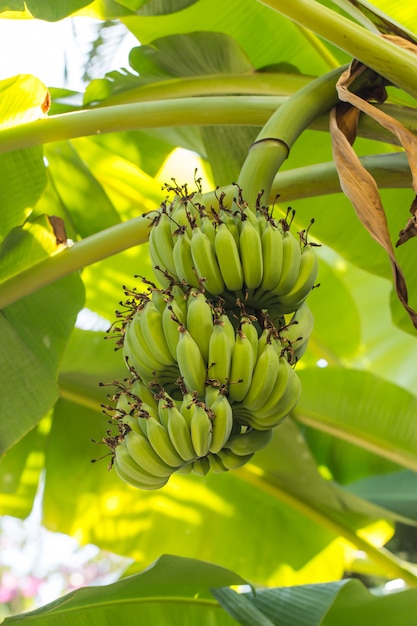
(306, 109)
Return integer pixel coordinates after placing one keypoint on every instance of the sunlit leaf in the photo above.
(27, 245)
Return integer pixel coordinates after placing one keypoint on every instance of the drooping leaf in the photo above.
(172, 590)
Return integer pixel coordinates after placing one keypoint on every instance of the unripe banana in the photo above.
(172, 318)
(221, 423)
(162, 444)
(201, 466)
(184, 215)
(304, 283)
(208, 227)
(281, 405)
(180, 434)
(297, 332)
(249, 442)
(201, 429)
(249, 329)
(291, 261)
(251, 254)
(205, 262)
(228, 258)
(130, 472)
(230, 222)
(243, 363)
(161, 244)
(186, 408)
(153, 333)
(184, 264)
(135, 333)
(220, 353)
(272, 255)
(139, 390)
(145, 456)
(263, 379)
(191, 363)
(134, 358)
(216, 465)
(200, 321)
(231, 460)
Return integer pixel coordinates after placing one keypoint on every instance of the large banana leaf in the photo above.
(284, 519)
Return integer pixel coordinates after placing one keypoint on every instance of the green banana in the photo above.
(180, 434)
(216, 466)
(208, 227)
(145, 456)
(228, 258)
(136, 335)
(243, 363)
(227, 218)
(222, 421)
(186, 407)
(283, 405)
(272, 255)
(220, 352)
(249, 442)
(161, 244)
(153, 333)
(291, 261)
(201, 429)
(232, 461)
(134, 358)
(191, 363)
(249, 329)
(306, 278)
(250, 245)
(263, 379)
(160, 441)
(201, 466)
(172, 317)
(296, 333)
(205, 262)
(140, 391)
(184, 264)
(133, 474)
(200, 321)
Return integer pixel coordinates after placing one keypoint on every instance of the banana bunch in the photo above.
(232, 254)
(211, 353)
(159, 436)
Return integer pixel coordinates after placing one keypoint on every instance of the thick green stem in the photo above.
(387, 59)
(223, 110)
(276, 138)
(85, 252)
(200, 111)
(256, 84)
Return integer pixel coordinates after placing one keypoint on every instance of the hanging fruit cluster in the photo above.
(212, 352)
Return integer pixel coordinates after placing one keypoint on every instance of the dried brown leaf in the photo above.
(361, 189)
